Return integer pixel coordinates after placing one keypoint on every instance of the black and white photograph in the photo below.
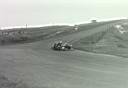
(63, 44)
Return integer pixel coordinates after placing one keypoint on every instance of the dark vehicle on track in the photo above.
(59, 46)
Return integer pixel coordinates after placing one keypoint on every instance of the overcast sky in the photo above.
(41, 12)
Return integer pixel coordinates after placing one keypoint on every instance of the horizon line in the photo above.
(59, 24)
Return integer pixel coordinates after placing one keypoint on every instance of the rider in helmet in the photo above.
(55, 45)
(59, 43)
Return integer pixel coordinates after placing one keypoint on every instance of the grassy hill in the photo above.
(31, 63)
(22, 35)
(110, 41)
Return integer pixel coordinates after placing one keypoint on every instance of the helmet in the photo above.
(60, 41)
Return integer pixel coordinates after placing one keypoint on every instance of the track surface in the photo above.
(41, 67)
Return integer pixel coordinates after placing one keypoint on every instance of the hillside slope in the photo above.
(40, 67)
(112, 41)
(25, 35)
